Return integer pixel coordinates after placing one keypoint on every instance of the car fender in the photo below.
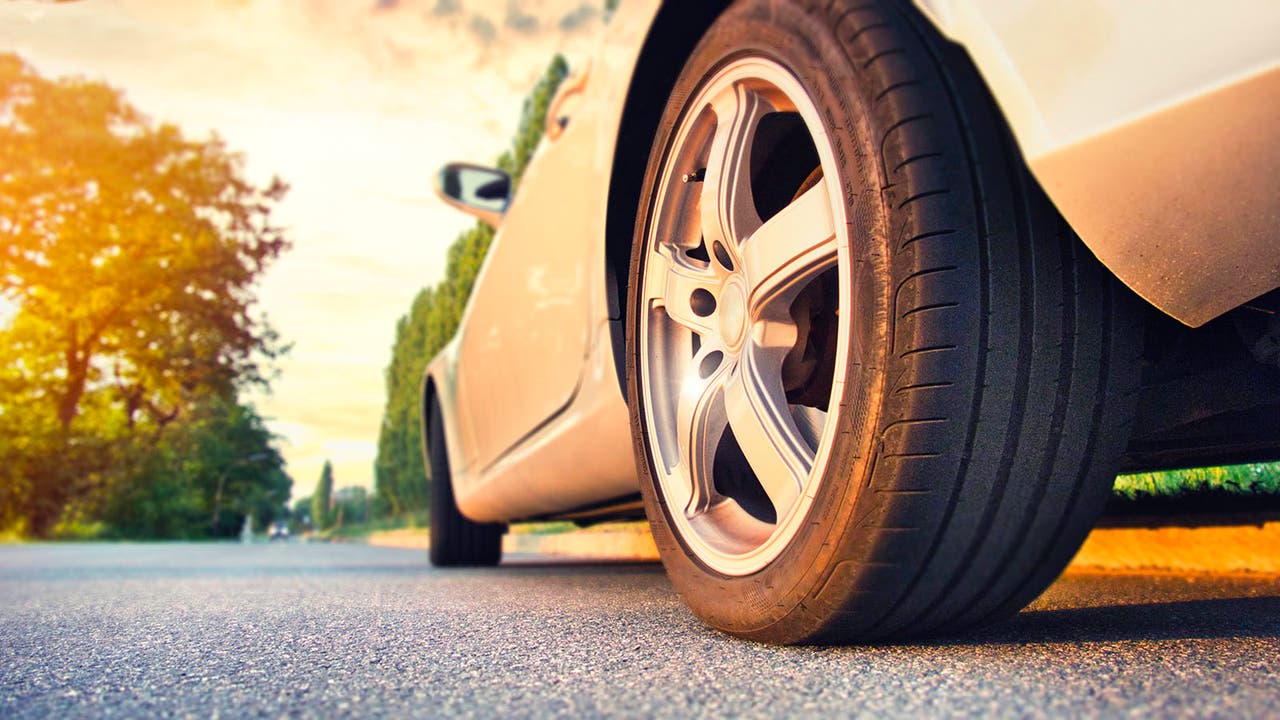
(1151, 129)
(438, 386)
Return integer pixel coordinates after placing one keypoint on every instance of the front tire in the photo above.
(878, 388)
(455, 540)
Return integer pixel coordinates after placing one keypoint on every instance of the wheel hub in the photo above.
(733, 314)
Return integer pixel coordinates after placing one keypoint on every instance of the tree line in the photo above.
(329, 509)
(129, 331)
(401, 479)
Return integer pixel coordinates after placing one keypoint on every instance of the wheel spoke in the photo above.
(673, 284)
(757, 411)
(727, 206)
(700, 423)
(790, 249)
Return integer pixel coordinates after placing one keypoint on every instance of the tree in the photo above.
(130, 250)
(400, 475)
(212, 467)
(322, 499)
(129, 258)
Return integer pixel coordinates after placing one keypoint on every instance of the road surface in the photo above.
(296, 630)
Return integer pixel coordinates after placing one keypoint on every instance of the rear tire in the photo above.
(983, 387)
(455, 540)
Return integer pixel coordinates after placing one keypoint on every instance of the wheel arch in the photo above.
(435, 397)
(430, 399)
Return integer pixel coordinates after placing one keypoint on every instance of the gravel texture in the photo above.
(296, 630)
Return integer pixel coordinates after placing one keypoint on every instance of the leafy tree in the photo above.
(211, 468)
(322, 499)
(130, 250)
(401, 478)
(128, 263)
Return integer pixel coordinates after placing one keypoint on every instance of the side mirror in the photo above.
(479, 191)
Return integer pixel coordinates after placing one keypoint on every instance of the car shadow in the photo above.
(1240, 617)
(1079, 607)
(535, 562)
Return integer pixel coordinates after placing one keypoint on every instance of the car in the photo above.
(865, 304)
(279, 531)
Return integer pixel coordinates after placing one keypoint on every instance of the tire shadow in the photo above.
(1081, 607)
(1101, 607)
(1191, 619)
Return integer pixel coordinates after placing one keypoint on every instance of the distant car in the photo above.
(864, 304)
(279, 531)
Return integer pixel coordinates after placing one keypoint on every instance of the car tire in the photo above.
(961, 374)
(455, 540)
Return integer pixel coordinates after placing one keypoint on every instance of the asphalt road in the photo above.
(345, 630)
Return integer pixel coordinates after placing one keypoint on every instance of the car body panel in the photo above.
(1199, 237)
(528, 307)
(1100, 92)
(536, 423)
(533, 363)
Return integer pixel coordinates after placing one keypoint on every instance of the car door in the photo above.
(524, 340)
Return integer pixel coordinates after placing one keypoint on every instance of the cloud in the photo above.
(579, 18)
(519, 20)
(483, 28)
(446, 7)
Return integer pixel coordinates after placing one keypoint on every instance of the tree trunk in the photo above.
(77, 359)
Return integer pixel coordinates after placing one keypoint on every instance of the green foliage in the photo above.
(214, 466)
(350, 506)
(401, 478)
(129, 259)
(79, 532)
(322, 499)
(1245, 480)
(197, 478)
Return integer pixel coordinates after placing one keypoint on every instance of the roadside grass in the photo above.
(1232, 489)
(1256, 479)
(362, 530)
(77, 531)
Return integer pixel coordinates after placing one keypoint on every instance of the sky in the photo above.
(355, 104)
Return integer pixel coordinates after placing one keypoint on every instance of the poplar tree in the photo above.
(322, 499)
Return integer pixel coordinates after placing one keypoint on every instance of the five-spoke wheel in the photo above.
(741, 296)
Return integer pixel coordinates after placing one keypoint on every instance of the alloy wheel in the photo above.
(745, 278)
